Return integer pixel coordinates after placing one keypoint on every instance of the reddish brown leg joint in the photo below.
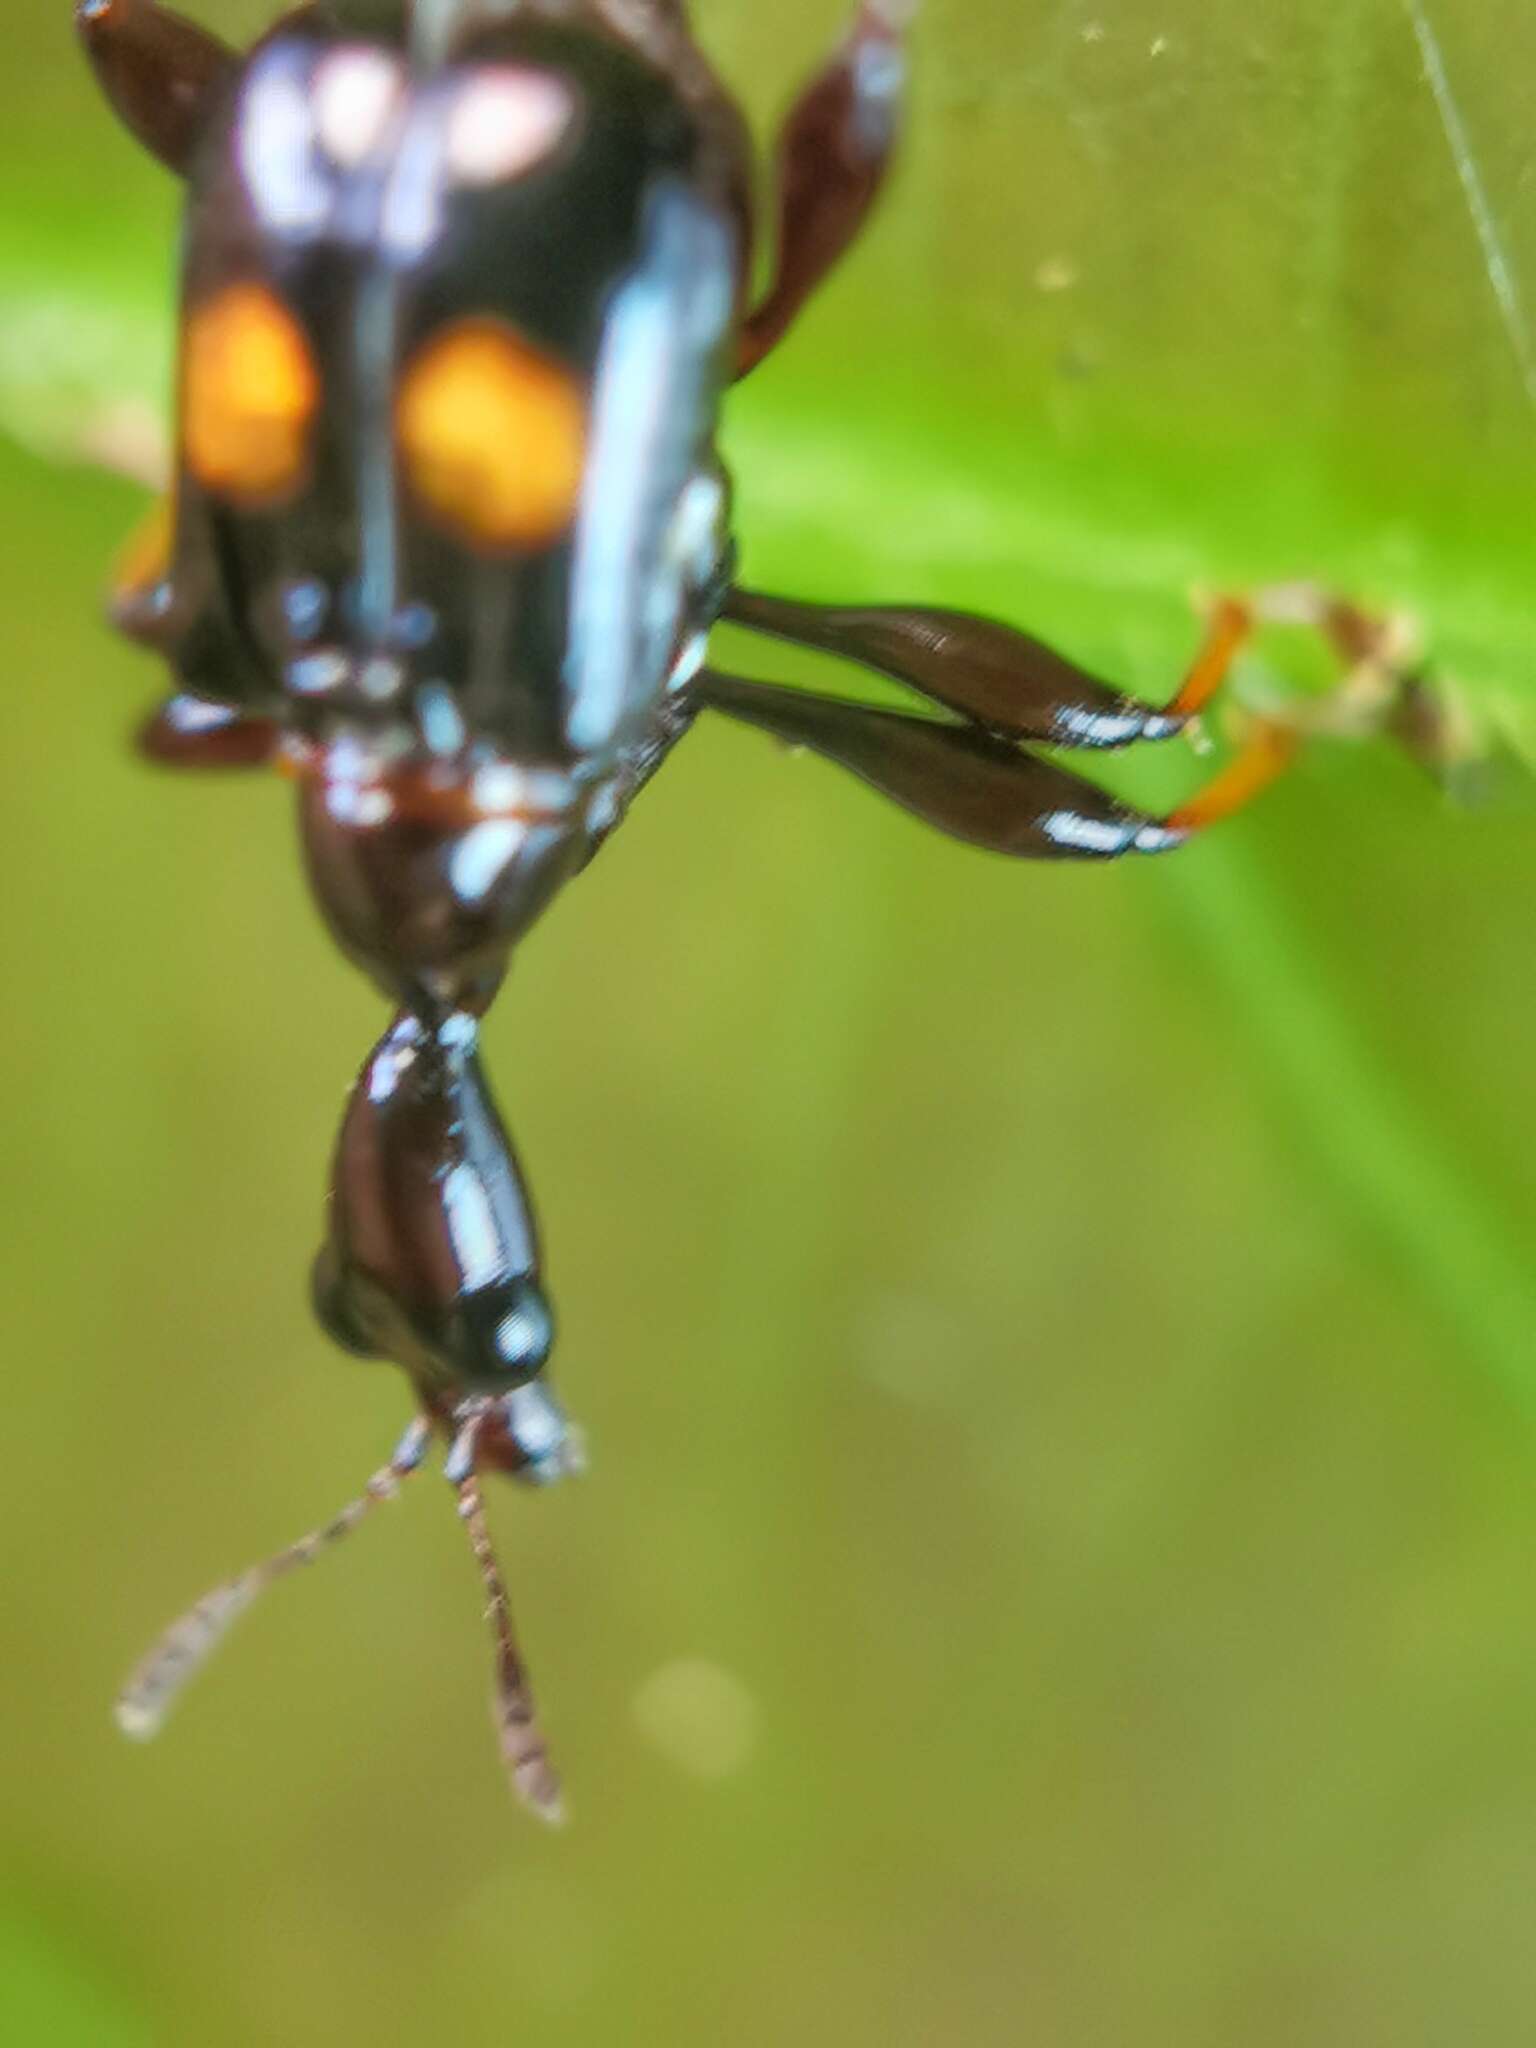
(833, 154)
(161, 74)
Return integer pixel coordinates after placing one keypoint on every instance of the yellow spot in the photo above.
(144, 560)
(493, 436)
(250, 392)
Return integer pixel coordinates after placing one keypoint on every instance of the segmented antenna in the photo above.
(157, 1683)
(523, 1748)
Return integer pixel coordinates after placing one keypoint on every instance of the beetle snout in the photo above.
(431, 1258)
(527, 1435)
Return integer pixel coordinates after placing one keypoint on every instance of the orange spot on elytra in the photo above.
(493, 436)
(250, 393)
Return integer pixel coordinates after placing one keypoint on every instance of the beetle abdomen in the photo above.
(450, 363)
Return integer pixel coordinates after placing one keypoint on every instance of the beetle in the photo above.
(463, 286)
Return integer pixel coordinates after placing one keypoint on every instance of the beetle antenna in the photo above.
(523, 1748)
(158, 1681)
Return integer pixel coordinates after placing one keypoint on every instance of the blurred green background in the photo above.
(1057, 1346)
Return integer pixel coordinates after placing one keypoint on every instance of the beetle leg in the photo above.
(993, 675)
(982, 789)
(186, 731)
(189, 732)
(833, 153)
(139, 602)
(160, 72)
(640, 763)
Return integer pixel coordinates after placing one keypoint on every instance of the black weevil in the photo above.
(463, 284)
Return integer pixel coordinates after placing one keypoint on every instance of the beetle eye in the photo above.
(250, 393)
(493, 436)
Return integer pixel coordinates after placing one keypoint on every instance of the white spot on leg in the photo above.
(1086, 835)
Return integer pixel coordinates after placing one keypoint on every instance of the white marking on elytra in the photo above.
(274, 148)
(503, 121)
(355, 94)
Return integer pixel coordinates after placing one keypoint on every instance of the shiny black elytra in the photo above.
(463, 285)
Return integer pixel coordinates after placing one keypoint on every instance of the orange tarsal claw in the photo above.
(1264, 757)
(1230, 629)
